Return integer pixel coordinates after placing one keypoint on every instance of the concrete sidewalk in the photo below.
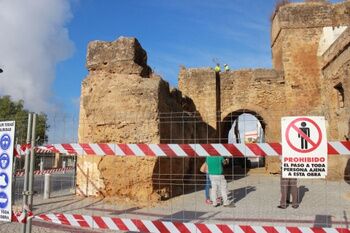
(256, 197)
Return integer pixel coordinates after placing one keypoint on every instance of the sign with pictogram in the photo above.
(304, 147)
(7, 133)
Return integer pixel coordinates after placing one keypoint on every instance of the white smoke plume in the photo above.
(33, 39)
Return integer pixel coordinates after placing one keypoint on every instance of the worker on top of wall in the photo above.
(227, 68)
(217, 68)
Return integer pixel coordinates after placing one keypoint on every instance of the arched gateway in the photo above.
(231, 123)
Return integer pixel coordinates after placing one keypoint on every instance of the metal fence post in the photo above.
(14, 173)
(47, 186)
(26, 172)
(64, 166)
(75, 163)
(41, 164)
(31, 173)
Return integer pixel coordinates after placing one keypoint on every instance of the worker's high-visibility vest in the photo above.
(227, 68)
(217, 69)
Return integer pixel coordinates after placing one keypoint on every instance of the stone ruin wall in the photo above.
(259, 91)
(336, 72)
(296, 34)
(124, 102)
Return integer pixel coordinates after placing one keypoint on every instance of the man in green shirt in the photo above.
(217, 179)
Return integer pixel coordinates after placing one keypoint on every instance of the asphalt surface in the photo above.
(60, 182)
(256, 197)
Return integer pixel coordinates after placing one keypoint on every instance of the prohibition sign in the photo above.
(293, 126)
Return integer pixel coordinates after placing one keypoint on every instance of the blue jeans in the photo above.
(207, 186)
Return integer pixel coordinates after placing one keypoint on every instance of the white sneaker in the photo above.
(227, 203)
(216, 205)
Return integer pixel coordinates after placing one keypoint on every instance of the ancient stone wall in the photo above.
(122, 101)
(180, 121)
(295, 38)
(302, 71)
(259, 92)
(309, 15)
(114, 74)
(297, 29)
(200, 86)
(336, 87)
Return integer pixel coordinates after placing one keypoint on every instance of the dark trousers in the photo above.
(289, 186)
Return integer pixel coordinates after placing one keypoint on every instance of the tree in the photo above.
(14, 111)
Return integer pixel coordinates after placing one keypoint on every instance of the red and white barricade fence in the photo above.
(157, 226)
(21, 150)
(47, 171)
(183, 150)
(175, 150)
(21, 216)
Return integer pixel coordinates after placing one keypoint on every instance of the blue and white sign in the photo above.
(4, 200)
(4, 180)
(5, 141)
(7, 133)
(4, 161)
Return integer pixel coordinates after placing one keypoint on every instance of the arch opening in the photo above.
(244, 126)
(239, 125)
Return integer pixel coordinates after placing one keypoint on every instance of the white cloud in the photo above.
(33, 39)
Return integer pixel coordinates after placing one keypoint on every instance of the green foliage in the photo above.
(14, 111)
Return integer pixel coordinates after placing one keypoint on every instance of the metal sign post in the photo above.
(14, 171)
(26, 172)
(31, 173)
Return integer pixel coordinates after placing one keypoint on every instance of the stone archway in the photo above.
(238, 167)
(229, 119)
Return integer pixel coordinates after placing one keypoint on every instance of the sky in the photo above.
(43, 43)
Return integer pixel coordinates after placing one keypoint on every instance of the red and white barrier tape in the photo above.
(47, 171)
(170, 150)
(22, 149)
(178, 150)
(184, 150)
(21, 216)
(121, 224)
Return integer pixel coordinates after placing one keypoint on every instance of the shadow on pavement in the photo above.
(183, 216)
(240, 193)
(347, 172)
(301, 192)
(50, 201)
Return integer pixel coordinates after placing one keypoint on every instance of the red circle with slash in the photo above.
(293, 126)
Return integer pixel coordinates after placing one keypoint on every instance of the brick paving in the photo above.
(323, 203)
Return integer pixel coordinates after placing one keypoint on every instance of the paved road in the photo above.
(60, 182)
(323, 204)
